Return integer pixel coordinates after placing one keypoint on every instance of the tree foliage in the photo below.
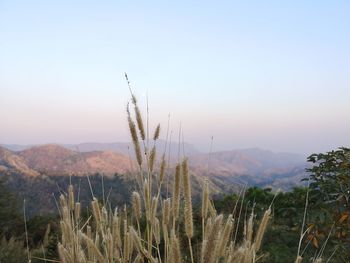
(10, 220)
(329, 194)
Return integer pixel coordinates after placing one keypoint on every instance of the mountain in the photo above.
(57, 160)
(246, 161)
(11, 162)
(37, 173)
(125, 148)
(253, 166)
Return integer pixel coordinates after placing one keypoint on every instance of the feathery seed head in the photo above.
(212, 210)
(136, 204)
(135, 140)
(147, 196)
(162, 170)
(188, 200)
(210, 251)
(249, 232)
(175, 248)
(77, 211)
(139, 122)
(96, 210)
(208, 226)
(262, 228)
(156, 133)
(104, 215)
(156, 230)
(176, 191)
(152, 158)
(166, 212)
(71, 197)
(63, 201)
(225, 235)
(136, 239)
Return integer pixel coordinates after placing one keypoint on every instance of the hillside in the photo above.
(41, 192)
(253, 166)
(245, 162)
(125, 148)
(11, 162)
(56, 160)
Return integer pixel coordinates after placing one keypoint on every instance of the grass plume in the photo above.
(107, 236)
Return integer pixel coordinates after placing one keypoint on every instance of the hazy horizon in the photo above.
(201, 150)
(270, 75)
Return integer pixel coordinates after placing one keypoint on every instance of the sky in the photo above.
(267, 74)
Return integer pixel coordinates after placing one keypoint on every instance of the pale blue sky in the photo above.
(269, 74)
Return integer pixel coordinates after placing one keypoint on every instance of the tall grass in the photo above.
(157, 228)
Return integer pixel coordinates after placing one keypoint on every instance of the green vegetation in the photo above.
(281, 238)
(44, 189)
(329, 194)
(285, 215)
(10, 221)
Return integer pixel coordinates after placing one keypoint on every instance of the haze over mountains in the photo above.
(119, 147)
(40, 172)
(255, 165)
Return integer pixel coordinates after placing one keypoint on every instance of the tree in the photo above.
(330, 194)
(10, 219)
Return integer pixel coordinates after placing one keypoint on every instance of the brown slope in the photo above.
(11, 162)
(57, 160)
(108, 162)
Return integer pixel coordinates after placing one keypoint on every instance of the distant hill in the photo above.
(118, 147)
(11, 162)
(127, 148)
(246, 161)
(57, 160)
(254, 166)
(37, 172)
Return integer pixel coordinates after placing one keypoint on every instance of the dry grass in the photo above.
(116, 236)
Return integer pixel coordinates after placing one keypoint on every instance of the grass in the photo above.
(156, 228)
(160, 225)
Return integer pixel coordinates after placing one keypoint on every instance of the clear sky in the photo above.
(268, 74)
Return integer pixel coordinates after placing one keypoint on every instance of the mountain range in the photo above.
(255, 164)
(125, 148)
(38, 173)
(57, 160)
